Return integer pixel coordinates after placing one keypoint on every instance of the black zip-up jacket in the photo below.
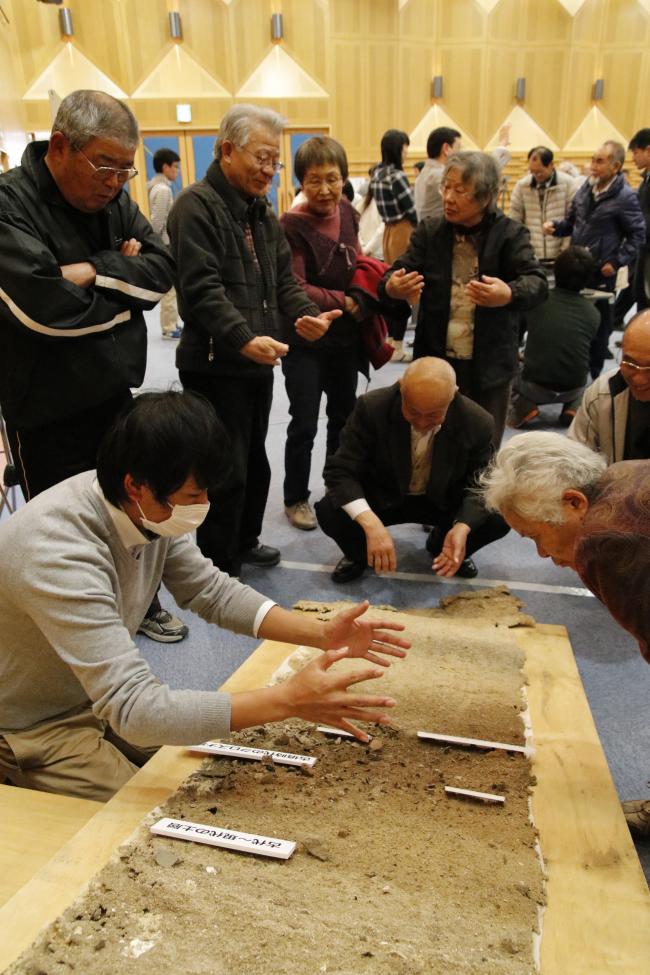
(64, 348)
(223, 300)
(505, 252)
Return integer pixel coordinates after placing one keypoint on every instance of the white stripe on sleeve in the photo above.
(65, 333)
(128, 289)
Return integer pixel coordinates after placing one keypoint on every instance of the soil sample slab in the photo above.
(390, 875)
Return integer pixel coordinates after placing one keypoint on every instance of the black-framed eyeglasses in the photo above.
(104, 173)
(264, 162)
(633, 365)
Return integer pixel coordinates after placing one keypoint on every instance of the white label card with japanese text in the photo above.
(229, 839)
(228, 749)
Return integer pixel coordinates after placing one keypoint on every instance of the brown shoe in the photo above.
(637, 816)
(301, 515)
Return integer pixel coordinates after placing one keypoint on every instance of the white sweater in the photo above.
(71, 598)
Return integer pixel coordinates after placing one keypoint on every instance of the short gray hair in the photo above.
(84, 115)
(617, 151)
(532, 471)
(238, 121)
(479, 169)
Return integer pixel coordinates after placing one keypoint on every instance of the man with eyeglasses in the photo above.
(78, 266)
(614, 416)
(234, 285)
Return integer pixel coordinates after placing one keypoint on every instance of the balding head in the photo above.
(428, 387)
(636, 351)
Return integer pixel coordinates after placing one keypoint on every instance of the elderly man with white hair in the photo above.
(234, 284)
(589, 517)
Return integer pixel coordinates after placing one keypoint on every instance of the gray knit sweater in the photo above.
(72, 596)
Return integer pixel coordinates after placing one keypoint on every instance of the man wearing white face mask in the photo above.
(80, 709)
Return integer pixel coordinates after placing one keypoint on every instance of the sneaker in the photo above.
(637, 816)
(262, 555)
(301, 515)
(517, 423)
(176, 334)
(163, 627)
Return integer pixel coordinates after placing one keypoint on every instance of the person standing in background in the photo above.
(640, 149)
(393, 195)
(161, 199)
(234, 284)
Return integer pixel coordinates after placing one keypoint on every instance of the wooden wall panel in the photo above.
(306, 29)
(625, 23)
(547, 21)
(375, 60)
(462, 20)
(621, 93)
(588, 22)
(580, 78)
(416, 69)
(419, 20)
(545, 71)
(462, 70)
(206, 36)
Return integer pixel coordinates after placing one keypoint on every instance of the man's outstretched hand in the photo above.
(364, 637)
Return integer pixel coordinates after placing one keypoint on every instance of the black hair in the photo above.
(419, 165)
(438, 138)
(640, 140)
(348, 190)
(574, 268)
(392, 143)
(164, 157)
(161, 439)
(543, 153)
(319, 151)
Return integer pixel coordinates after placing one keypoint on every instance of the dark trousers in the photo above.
(416, 509)
(600, 344)
(494, 400)
(307, 375)
(236, 513)
(44, 456)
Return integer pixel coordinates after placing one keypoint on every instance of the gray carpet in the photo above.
(616, 679)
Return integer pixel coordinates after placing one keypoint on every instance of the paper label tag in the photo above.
(473, 742)
(229, 750)
(229, 839)
(471, 794)
(338, 732)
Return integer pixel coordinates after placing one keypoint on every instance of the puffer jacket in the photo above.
(533, 207)
(602, 417)
(611, 227)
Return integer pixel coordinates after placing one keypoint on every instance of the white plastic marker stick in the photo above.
(228, 750)
(338, 732)
(470, 794)
(473, 742)
(229, 839)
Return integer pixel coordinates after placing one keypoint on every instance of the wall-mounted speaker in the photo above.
(599, 89)
(436, 86)
(520, 89)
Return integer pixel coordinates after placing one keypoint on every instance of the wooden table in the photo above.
(598, 914)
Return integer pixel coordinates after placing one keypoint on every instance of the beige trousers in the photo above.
(396, 239)
(75, 755)
(168, 312)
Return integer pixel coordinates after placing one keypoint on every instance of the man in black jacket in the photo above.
(78, 266)
(410, 453)
(476, 272)
(234, 283)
